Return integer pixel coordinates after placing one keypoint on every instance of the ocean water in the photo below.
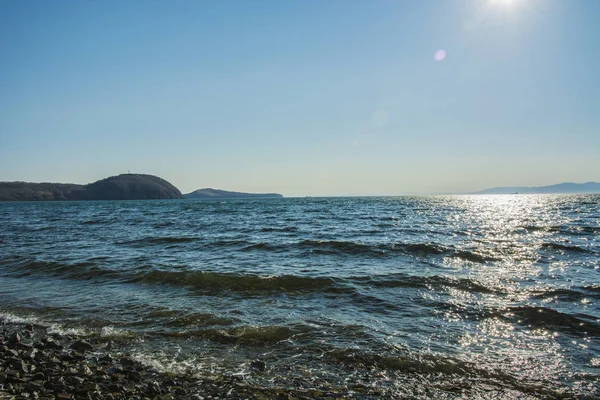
(441, 297)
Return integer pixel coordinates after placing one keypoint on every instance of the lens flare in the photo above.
(440, 55)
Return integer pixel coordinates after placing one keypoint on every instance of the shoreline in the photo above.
(46, 366)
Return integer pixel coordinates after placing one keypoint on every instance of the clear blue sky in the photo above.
(302, 97)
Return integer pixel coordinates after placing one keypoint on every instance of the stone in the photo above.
(106, 359)
(169, 382)
(12, 353)
(35, 386)
(19, 365)
(90, 387)
(12, 373)
(52, 344)
(31, 354)
(126, 362)
(14, 339)
(81, 346)
(74, 380)
(39, 376)
(84, 370)
(135, 376)
(153, 388)
(258, 365)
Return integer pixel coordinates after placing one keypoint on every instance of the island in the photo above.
(209, 193)
(565, 187)
(120, 187)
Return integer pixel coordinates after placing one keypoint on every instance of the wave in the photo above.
(324, 247)
(159, 240)
(575, 230)
(434, 282)
(243, 283)
(334, 247)
(284, 229)
(93, 222)
(569, 294)
(565, 248)
(84, 270)
(248, 283)
(547, 318)
(246, 335)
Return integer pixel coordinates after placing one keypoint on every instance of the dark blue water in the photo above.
(475, 296)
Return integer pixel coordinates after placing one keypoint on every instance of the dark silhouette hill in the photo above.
(209, 193)
(565, 187)
(121, 187)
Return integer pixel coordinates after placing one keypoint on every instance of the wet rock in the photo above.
(66, 357)
(12, 373)
(36, 386)
(30, 354)
(126, 362)
(180, 392)
(169, 382)
(90, 387)
(39, 376)
(117, 377)
(74, 380)
(84, 370)
(115, 388)
(14, 339)
(18, 364)
(106, 359)
(50, 343)
(13, 353)
(101, 372)
(258, 365)
(153, 388)
(135, 376)
(82, 346)
(23, 346)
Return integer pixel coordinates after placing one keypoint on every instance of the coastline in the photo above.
(41, 365)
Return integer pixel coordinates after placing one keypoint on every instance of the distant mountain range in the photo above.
(121, 187)
(209, 193)
(565, 187)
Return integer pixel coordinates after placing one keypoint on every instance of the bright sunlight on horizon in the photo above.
(302, 98)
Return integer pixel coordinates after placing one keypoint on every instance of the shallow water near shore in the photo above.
(478, 296)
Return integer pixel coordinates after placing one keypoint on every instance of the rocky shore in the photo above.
(37, 365)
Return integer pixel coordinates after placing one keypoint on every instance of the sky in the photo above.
(303, 98)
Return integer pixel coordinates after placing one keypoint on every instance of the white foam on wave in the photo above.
(8, 318)
(60, 329)
(109, 332)
(166, 364)
(51, 327)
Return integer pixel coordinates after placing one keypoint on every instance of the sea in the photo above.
(382, 297)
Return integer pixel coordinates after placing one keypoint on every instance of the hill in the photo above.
(565, 187)
(121, 187)
(209, 193)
